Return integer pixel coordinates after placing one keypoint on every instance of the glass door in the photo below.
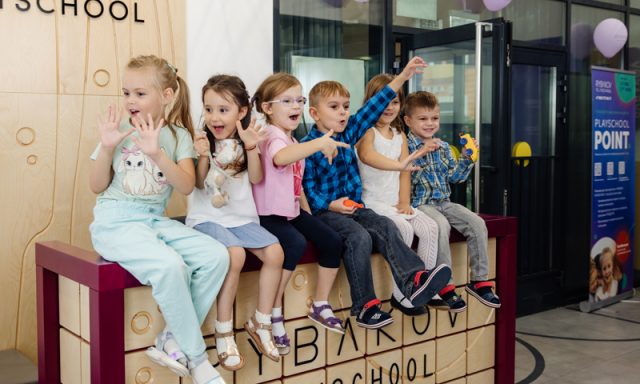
(538, 128)
(452, 76)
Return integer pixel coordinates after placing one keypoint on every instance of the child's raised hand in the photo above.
(414, 66)
(252, 135)
(329, 147)
(108, 124)
(201, 144)
(148, 139)
(407, 163)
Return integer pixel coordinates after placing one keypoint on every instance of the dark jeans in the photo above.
(293, 235)
(363, 232)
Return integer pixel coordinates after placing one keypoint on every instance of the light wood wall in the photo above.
(57, 73)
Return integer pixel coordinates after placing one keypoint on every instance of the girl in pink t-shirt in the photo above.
(279, 199)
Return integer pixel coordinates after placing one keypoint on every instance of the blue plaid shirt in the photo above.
(430, 185)
(324, 183)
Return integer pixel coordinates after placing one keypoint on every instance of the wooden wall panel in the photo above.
(50, 96)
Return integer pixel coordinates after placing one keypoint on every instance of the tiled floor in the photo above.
(574, 347)
(568, 347)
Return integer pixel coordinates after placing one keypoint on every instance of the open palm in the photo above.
(108, 126)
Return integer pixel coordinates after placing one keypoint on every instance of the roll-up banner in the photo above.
(613, 121)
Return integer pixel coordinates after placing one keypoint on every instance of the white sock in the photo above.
(263, 333)
(221, 343)
(402, 299)
(278, 328)
(325, 313)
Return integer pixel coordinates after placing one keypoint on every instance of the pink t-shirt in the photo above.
(279, 191)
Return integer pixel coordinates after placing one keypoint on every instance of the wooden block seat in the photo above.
(95, 320)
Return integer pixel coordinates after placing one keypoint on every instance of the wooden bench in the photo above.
(99, 302)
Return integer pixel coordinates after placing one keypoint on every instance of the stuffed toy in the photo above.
(223, 165)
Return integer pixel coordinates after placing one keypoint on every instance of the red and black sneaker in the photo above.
(482, 290)
(372, 317)
(427, 283)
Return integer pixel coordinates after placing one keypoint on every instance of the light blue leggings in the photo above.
(184, 267)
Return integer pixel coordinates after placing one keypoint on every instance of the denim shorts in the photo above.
(250, 235)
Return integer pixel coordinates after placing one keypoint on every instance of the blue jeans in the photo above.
(362, 233)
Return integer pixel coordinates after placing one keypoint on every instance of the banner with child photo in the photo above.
(612, 186)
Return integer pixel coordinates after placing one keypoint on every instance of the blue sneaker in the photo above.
(372, 317)
(482, 290)
(427, 283)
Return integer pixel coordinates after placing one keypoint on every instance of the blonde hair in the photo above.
(326, 89)
(375, 85)
(420, 99)
(271, 87)
(166, 76)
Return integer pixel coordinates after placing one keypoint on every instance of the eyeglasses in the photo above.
(289, 101)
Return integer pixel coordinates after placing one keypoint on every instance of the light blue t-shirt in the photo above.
(136, 177)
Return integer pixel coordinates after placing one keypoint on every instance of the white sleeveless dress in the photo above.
(381, 189)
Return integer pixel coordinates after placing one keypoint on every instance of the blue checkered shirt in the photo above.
(430, 185)
(324, 183)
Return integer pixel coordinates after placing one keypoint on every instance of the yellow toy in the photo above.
(469, 146)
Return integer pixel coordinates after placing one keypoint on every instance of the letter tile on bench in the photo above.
(460, 263)
(69, 304)
(258, 368)
(351, 372)
(349, 346)
(416, 329)
(451, 360)
(85, 324)
(481, 348)
(246, 297)
(70, 358)
(308, 347)
(209, 325)
(382, 277)
(448, 322)
(340, 295)
(139, 369)
(298, 294)
(388, 337)
(484, 377)
(419, 363)
(314, 377)
(491, 253)
(385, 367)
(478, 314)
(143, 320)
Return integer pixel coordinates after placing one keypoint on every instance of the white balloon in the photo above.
(495, 5)
(610, 36)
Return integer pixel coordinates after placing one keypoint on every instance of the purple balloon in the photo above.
(610, 36)
(495, 5)
(581, 38)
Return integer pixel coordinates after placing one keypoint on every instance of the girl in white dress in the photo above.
(385, 168)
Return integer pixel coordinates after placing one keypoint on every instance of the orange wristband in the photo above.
(250, 148)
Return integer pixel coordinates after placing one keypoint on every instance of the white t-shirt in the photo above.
(239, 209)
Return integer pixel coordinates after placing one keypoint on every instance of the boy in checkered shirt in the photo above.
(329, 183)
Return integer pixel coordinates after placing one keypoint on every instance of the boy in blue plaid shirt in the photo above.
(430, 193)
(329, 183)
